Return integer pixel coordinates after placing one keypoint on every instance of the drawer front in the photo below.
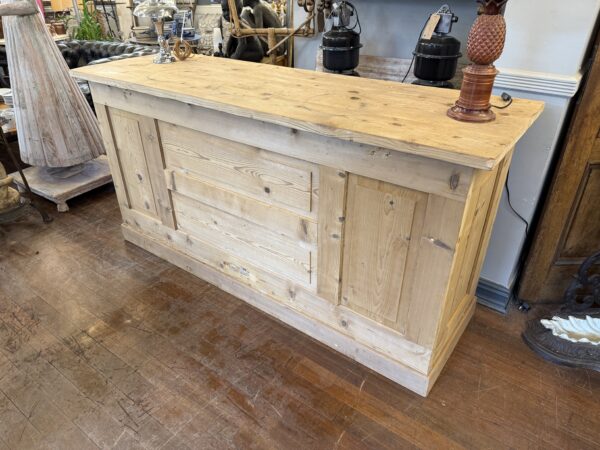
(250, 171)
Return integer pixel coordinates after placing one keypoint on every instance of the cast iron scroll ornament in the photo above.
(484, 46)
(582, 299)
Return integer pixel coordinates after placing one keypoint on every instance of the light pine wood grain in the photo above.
(475, 234)
(395, 116)
(371, 250)
(332, 219)
(366, 160)
(264, 175)
(273, 218)
(379, 233)
(241, 237)
(156, 165)
(116, 170)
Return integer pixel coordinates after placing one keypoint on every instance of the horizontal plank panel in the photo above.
(412, 171)
(243, 238)
(378, 234)
(262, 174)
(273, 218)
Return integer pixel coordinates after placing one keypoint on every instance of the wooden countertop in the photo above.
(406, 118)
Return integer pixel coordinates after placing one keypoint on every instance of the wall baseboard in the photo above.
(538, 82)
(493, 295)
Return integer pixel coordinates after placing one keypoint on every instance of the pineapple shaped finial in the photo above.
(484, 46)
(488, 34)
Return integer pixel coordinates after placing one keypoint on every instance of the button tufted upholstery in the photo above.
(81, 53)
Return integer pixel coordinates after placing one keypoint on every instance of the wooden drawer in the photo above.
(250, 171)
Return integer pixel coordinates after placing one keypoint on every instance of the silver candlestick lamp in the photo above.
(157, 10)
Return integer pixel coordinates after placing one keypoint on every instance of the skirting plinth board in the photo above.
(394, 370)
(95, 174)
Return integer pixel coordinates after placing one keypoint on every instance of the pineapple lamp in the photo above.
(157, 10)
(484, 46)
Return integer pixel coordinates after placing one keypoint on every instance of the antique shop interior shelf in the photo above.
(354, 210)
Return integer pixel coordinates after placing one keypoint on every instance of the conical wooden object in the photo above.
(55, 124)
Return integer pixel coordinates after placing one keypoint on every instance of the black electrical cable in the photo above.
(521, 305)
(516, 213)
(412, 61)
(507, 98)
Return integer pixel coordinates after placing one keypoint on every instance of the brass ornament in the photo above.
(182, 49)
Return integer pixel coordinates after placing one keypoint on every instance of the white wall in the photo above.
(544, 52)
(548, 36)
(390, 27)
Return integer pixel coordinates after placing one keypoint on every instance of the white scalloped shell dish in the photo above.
(582, 331)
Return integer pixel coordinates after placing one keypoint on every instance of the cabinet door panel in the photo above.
(129, 147)
(381, 221)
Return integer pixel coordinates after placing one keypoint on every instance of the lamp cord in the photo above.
(515, 212)
(412, 61)
(507, 98)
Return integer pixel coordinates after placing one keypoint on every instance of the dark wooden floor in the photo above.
(104, 345)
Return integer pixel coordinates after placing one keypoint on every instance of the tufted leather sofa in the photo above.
(81, 53)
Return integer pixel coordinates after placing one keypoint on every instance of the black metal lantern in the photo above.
(341, 45)
(436, 58)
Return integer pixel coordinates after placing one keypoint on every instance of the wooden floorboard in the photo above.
(103, 345)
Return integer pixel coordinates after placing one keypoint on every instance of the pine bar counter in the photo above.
(353, 210)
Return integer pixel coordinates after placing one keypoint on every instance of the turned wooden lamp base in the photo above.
(471, 115)
(473, 105)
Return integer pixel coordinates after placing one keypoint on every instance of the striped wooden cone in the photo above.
(55, 124)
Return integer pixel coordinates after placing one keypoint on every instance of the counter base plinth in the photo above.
(393, 370)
